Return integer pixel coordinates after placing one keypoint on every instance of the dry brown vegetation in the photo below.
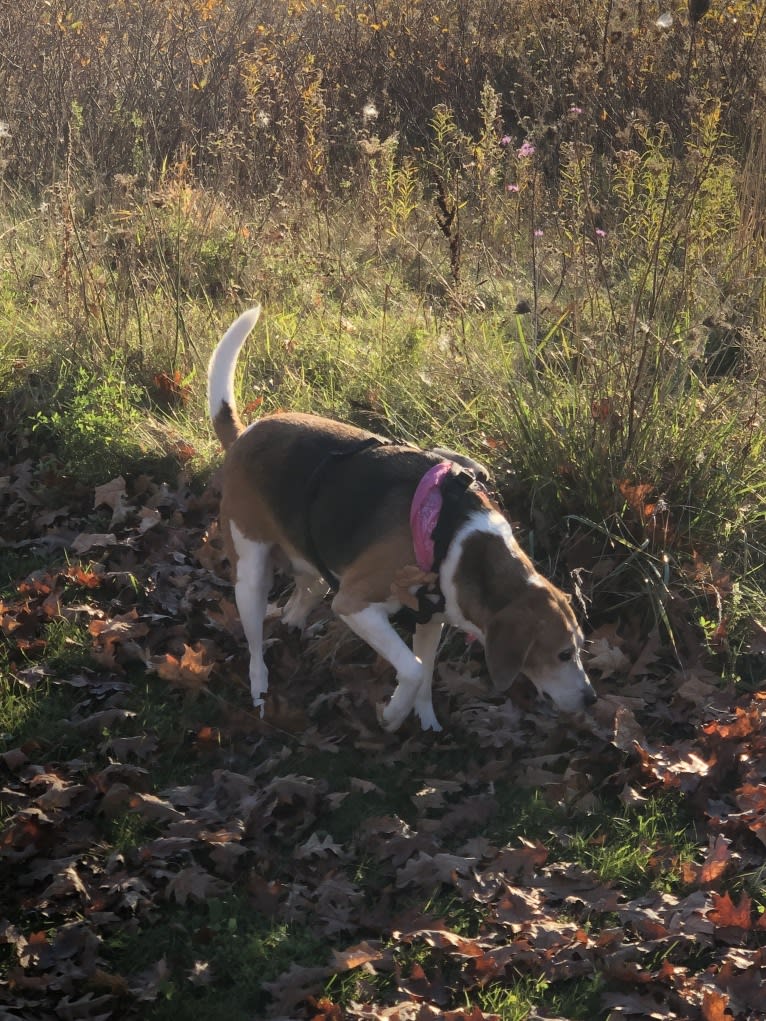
(533, 231)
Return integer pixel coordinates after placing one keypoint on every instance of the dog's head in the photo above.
(538, 636)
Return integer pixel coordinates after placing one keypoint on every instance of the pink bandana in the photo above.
(424, 513)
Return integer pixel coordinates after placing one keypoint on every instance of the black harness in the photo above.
(453, 489)
(314, 483)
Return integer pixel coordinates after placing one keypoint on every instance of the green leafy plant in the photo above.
(91, 427)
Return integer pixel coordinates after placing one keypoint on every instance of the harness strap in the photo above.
(315, 481)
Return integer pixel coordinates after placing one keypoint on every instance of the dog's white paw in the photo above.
(259, 683)
(389, 721)
(259, 705)
(428, 719)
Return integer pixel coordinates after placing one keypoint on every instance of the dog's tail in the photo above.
(220, 378)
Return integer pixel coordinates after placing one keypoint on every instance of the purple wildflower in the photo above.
(512, 187)
(505, 140)
(526, 150)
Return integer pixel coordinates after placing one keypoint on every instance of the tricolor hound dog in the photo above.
(353, 512)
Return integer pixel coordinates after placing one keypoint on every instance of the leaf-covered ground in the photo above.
(164, 852)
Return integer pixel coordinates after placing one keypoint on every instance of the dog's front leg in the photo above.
(372, 624)
(425, 645)
(251, 590)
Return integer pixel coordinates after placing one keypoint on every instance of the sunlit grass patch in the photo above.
(637, 848)
(513, 1000)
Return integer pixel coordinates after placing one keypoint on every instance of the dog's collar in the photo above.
(436, 511)
(425, 509)
(433, 511)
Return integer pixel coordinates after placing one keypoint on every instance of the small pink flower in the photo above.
(526, 150)
(575, 111)
(512, 187)
(506, 140)
(538, 233)
(600, 233)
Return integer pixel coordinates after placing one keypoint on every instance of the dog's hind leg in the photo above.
(251, 590)
(425, 645)
(310, 590)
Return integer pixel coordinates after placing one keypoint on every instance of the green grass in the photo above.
(488, 387)
(241, 950)
(600, 409)
(18, 564)
(512, 1001)
(637, 848)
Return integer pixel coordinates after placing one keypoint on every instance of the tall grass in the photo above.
(559, 266)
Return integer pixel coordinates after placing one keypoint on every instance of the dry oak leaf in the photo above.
(675, 766)
(86, 1007)
(443, 939)
(225, 618)
(111, 493)
(295, 985)
(103, 719)
(8, 619)
(14, 758)
(354, 957)
(696, 688)
(194, 883)
(429, 871)
(66, 883)
(433, 794)
(123, 629)
(714, 1006)
(148, 518)
(726, 914)
(87, 577)
(191, 671)
(648, 655)
(606, 658)
(742, 723)
(59, 792)
(627, 731)
(318, 847)
(751, 799)
(364, 786)
(717, 861)
(86, 541)
(154, 808)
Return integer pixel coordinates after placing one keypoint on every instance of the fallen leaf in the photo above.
(86, 541)
(189, 671)
(606, 658)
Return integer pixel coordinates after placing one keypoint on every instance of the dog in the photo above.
(387, 527)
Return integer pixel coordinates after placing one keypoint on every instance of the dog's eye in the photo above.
(566, 655)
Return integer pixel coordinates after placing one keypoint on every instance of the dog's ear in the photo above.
(509, 640)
